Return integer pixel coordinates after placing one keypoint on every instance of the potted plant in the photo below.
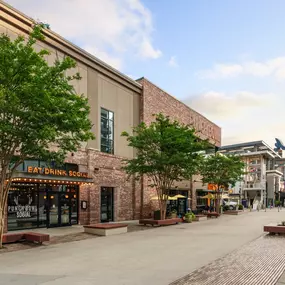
(188, 217)
(240, 207)
(173, 214)
(226, 208)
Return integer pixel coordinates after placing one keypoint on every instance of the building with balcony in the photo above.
(262, 182)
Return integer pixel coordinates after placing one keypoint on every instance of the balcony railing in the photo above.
(254, 186)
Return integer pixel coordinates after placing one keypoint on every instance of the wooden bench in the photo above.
(233, 212)
(213, 214)
(274, 229)
(165, 222)
(36, 237)
(106, 229)
(14, 237)
(200, 218)
(33, 237)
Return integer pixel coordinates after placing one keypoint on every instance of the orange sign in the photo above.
(212, 187)
(57, 172)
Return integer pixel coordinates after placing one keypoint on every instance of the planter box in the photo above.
(274, 229)
(233, 212)
(165, 222)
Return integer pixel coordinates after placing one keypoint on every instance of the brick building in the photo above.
(91, 186)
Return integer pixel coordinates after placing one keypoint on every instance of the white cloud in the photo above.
(172, 61)
(110, 29)
(219, 105)
(273, 67)
(243, 116)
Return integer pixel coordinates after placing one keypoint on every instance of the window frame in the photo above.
(109, 142)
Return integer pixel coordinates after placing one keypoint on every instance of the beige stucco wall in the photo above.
(100, 90)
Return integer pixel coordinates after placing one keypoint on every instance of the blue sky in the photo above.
(225, 59)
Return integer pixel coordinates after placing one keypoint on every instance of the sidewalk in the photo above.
(260, 262)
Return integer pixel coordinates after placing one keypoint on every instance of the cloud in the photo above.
(172, 61)
(219, 105)
(110, 29)
(243, 116)
(273, 67)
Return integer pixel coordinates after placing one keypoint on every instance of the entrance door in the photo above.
(107, 206)
(58, 209)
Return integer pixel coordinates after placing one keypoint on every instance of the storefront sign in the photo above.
(22, 211)
(57, 172)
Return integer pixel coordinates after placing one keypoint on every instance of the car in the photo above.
(232, 205)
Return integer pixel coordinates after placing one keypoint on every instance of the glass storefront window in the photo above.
(22, 207)
(42, 205)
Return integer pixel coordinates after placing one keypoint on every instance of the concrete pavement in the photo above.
(158, 256)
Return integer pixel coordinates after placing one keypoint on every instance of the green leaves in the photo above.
(166, 151)
(40, 113)
(222, 170)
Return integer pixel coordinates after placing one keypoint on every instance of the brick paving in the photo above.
(261, 262)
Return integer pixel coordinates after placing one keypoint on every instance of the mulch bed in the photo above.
(63, 239)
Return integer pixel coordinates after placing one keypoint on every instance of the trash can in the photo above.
(157, 215)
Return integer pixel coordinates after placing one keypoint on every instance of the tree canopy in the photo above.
(41, 116)
(166, 151)
(222, 171)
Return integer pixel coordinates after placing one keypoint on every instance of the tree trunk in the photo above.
(163, 209)
(2, 215)
(4, 189)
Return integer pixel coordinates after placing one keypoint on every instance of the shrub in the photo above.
(240, 207)
(277, 203)
(226, 207)
(188, 217)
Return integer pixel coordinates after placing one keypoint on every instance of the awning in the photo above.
(208, 196)
(164, 197)
(179, 196)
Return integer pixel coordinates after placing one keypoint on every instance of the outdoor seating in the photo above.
(165, 222)
(33, 237)
(274, 229)
(36, 237)
(213, 214)
(106, 229)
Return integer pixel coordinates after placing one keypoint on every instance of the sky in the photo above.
(225, 59)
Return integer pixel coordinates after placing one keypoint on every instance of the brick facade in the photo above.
(153, 101)
(106, 171)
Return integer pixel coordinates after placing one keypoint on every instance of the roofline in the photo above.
(59, 39)
(141, 78)
(227, 147)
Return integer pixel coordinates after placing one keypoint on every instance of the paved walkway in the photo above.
(157, 256)
(261, 262)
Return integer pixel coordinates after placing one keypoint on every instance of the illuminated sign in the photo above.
(57, 172)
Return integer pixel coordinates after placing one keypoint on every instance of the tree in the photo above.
(167, 151)
(41, 116)
(222, 171)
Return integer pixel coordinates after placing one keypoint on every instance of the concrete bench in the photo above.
(166, 222)
(200, 218)
(274, 229)
(213, 214)
(36, 237)
(106, 229)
